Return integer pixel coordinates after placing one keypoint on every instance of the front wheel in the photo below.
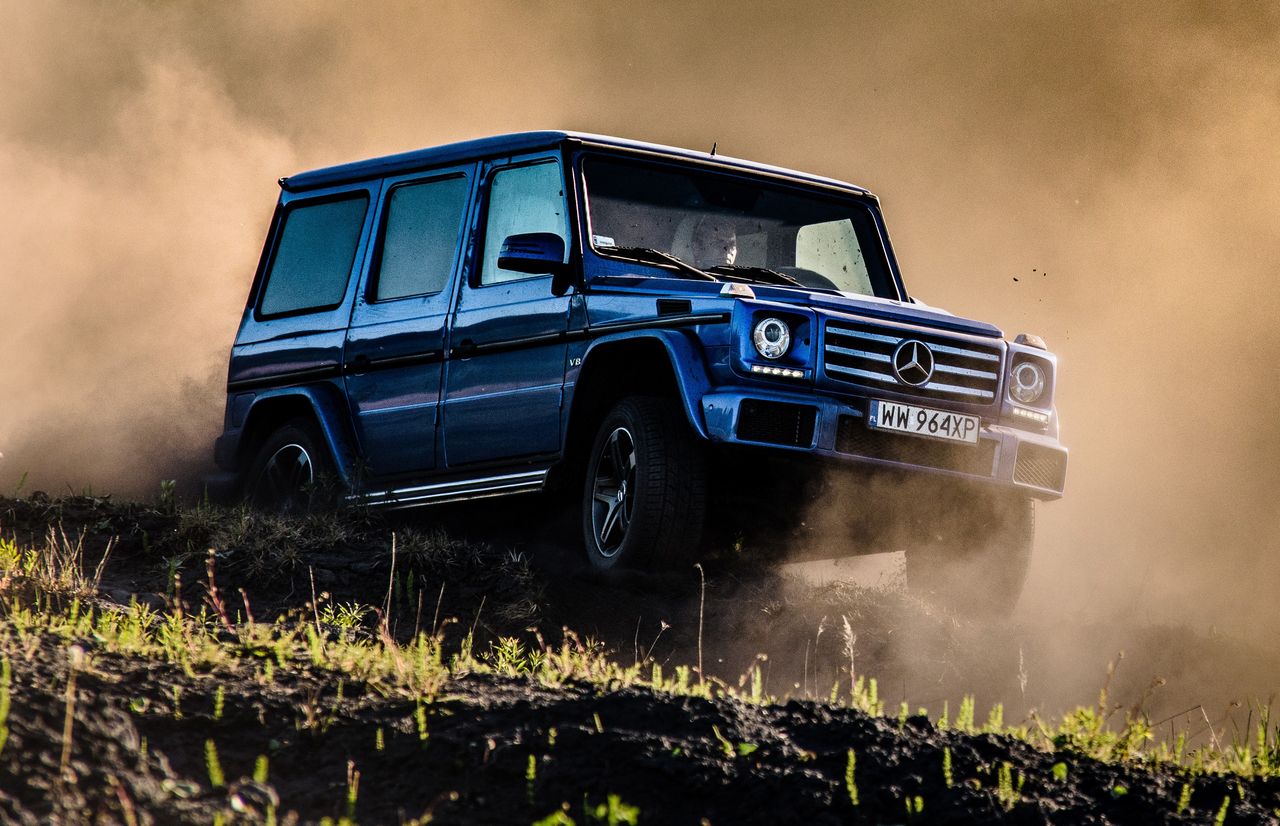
(975, 561)
(291, 472)
(644, 498)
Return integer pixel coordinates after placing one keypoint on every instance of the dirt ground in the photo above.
(506, 750)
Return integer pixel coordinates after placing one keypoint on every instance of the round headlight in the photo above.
(772, 337)
(1028, 382)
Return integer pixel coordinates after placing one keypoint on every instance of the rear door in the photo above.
(505, 375)
(394, 358)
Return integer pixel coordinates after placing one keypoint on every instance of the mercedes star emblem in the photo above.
(913, 363)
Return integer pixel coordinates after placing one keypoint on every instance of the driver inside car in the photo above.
(715, 243)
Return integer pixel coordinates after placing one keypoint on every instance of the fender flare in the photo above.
(330, 413)
(687, 366)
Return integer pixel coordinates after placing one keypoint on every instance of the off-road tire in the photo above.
(665, 498)
(975, 562)
(292, 471)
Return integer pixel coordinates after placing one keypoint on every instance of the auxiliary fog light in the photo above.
(1028, 382)
(772, 337)
(785, 372)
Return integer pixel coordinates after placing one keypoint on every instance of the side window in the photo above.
(522, 199)
(832, 249)
(314, 256)
(421, 237)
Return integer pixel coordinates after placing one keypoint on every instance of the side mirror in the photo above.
(532, 252)
(537, 253)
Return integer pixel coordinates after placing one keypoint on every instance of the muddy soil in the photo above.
(504, 571)
(138, 756)
(139, 747)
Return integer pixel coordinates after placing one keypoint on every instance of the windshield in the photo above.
(735, 227)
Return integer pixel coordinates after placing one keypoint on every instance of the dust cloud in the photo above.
(1102, 175)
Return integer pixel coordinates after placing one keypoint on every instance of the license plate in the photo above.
(923, 421)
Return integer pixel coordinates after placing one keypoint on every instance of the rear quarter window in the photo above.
(424, 221)
(313, 259)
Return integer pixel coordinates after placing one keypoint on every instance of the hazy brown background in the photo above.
(1120, 162)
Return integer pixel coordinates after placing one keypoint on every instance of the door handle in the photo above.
(465, 348)
(359, 364)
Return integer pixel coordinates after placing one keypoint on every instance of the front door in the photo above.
(505, 375)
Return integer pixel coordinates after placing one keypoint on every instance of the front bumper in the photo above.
(836, 429)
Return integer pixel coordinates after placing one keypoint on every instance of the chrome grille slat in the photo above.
(841, 331)
(957, 351)
(965, 371)
(862, 353)
(960, 391)
(865, 374)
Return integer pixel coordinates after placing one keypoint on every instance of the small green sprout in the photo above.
(1184, 798)
(216, 778)
(850, 783)
(6, 677)
(616, 813)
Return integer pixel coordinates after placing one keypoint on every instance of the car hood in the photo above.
(902, 312)
(899, 311)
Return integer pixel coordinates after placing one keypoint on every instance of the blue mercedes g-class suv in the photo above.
(676, 339)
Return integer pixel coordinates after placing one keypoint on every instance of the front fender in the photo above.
(684, 353)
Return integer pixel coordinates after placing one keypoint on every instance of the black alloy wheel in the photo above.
(644, 497)
(611, 502)
(291, 471)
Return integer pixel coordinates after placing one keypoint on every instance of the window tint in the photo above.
(423, 221)
(714, 218)
(313, 259)
(522, 199)
(832, 250)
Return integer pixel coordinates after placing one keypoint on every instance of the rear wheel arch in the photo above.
(269, 414)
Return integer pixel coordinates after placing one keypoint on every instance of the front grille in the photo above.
(862, 354)
(1043, 467)
(854, 437)
(777, 423)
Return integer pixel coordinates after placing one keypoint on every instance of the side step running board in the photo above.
(456, 491)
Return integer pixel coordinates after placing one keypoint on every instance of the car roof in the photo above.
(498, 146)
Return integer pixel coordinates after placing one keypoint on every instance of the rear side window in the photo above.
(313, 259)
(421, 238)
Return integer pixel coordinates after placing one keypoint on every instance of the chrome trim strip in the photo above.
(957, 351)
(964, 371)
(865, 374)
(863, 354)
(959, 391)
(841, 331)
(933, 385)
(455, 491)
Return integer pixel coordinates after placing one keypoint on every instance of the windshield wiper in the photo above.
(759, 275)
(648, 255)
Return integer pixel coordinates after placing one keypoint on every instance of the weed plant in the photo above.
(47, 593)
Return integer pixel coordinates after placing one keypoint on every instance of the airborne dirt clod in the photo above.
(247, 726)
